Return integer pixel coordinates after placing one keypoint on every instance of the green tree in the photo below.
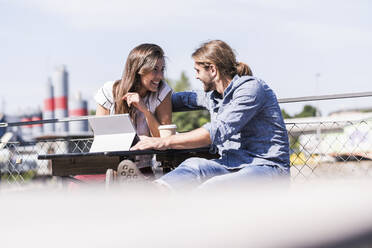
(307, 111)
(189, 120)
(181, 84)
(285, 114)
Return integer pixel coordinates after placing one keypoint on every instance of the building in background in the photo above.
(48, 108)
(2, 129)
(26, 130)
(37, 129)
(60, 82)
(56, 105)
(78, 107)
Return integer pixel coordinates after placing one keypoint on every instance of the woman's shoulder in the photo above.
(107, 86)
(164, 90)
(104, 95)
(156, 98)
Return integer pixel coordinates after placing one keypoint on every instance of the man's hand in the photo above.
(189, 140)
(147, 143)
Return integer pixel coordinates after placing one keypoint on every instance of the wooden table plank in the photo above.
(71, 164)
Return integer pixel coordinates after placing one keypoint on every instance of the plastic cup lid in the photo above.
(171, 126)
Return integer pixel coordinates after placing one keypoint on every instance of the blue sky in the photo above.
(285, 42)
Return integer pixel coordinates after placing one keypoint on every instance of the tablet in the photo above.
(112, 133)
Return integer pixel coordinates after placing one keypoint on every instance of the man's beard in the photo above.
(208, 86)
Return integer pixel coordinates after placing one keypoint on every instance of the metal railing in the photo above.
(320, 147)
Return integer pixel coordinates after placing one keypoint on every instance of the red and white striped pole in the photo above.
(78, 107)
(48, 109)
(60, 80)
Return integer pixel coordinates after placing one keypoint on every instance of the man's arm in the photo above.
(194, 139)
(189, 100)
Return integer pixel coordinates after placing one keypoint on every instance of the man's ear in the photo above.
(213, 69)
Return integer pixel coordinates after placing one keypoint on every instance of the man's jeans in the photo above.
(211, 173)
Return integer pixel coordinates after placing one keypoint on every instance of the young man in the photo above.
(246, 125)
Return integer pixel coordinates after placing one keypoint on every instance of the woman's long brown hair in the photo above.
(141, 60)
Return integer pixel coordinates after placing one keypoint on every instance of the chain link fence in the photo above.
(319, 149)
(19, 163)
(328, 149)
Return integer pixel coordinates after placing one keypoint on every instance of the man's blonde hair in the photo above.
(221, 55)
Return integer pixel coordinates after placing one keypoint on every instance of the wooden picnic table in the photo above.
(71, 164)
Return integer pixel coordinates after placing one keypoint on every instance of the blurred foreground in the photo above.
(329, 213)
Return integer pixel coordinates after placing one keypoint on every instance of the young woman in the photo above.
(141, 92)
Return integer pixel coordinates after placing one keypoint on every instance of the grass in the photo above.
(21, 177)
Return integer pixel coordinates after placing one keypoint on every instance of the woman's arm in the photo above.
(101, 110)
(163, 116)
(163, 113)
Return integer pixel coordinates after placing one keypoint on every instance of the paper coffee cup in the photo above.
(167, 130)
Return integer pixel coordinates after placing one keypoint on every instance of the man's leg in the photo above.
(192, 172)
(245, 175)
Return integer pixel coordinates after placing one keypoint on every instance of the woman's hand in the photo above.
(135, 99)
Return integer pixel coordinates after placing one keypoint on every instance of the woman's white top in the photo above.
(152, 100)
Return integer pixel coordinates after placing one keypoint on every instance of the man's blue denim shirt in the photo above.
(246, 124)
